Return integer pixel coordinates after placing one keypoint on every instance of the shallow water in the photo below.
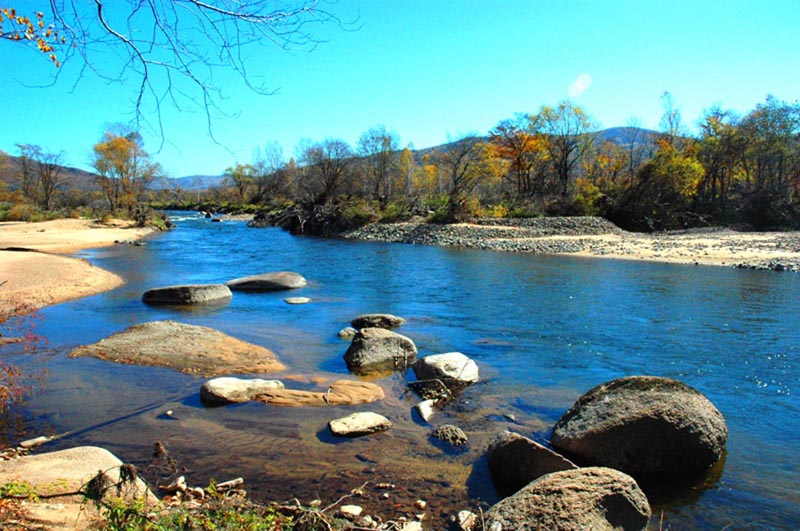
(543, 330)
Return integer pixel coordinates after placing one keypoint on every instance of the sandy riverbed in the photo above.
(42, 274)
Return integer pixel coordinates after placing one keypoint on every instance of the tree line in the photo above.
(735, 170)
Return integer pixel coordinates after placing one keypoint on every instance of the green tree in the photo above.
(240, 177)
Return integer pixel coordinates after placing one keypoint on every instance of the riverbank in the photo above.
(34, 271)
(598, 238)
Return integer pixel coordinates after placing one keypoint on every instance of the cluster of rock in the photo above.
(189, 294)
(376, 349)
(772, 265)
(518, 235)
(634, 427)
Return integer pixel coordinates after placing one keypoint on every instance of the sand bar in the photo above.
(41, 276)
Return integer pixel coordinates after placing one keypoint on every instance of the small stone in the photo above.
(179, 485)
(348, 332)
(466, 520)
(315, 503)
(351, 511)
(425, 409)
(411, 526)
(420, 504)
(362, 423)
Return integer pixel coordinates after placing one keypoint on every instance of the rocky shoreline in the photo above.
(597, 237)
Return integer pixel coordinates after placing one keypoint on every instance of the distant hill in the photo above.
(74, 178)
(624, 135)
(190, 182)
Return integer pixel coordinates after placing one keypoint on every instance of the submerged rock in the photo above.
(297, 300)
(340, 393)
(347, 333)
(281, 280)
(600, 499)
(188, 294)
(362, 423)
(644, 425)
(377, 349)
(450, 434)
(182, 347)
(227, 389)
(377, 320)
(514, 461)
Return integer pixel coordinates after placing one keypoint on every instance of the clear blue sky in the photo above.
(433, 69)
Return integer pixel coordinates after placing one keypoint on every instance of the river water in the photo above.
(543, 330)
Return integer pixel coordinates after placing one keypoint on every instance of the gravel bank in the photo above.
(597, 237)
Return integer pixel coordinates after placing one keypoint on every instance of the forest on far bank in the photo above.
(741, 171)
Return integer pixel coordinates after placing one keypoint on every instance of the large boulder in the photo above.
(191, 349)
(357, 424)
(227, 389)
(377, 320)
(453, 369)
(514, 461)
(376, 349)
(644, 425)
(188, 294)
(66, 472)
(600, 499)
(281, 280)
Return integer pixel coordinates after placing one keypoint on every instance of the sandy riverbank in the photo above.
(40, 275)
(598, 238)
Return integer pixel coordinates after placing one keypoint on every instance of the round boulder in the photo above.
(226, 389)
(377, 320)
(376, 349)
(187, 294)
(357, 424)
(454, 369)
(281, 280)
(514, 461)
(600, 499)
(644, 425)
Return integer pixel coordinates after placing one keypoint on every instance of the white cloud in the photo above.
(580, 85)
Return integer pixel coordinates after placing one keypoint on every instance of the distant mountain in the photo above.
(190, 182)
(74, 178)
(624, 135)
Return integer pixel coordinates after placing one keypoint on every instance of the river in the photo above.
(543, 330)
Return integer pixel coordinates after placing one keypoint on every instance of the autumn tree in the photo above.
(124, 168)
(566, 131)
(718, 151)
(325, 168)
(525, 152)
(462, 164)
(240, 177)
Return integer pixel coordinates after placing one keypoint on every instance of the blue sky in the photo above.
(433, 70)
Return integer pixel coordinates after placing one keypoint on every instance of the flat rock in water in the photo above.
(377, 320)
(297, 300)
(188, 294)
(376, 349)
(454, 369)
(340, 393)
(514, 461)
(182, 347)
(227, 389)
(277, 281)
(67, 471)
(644, 425)
(426, 409)
(362, 423)
(600, 499)
(348, 333)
